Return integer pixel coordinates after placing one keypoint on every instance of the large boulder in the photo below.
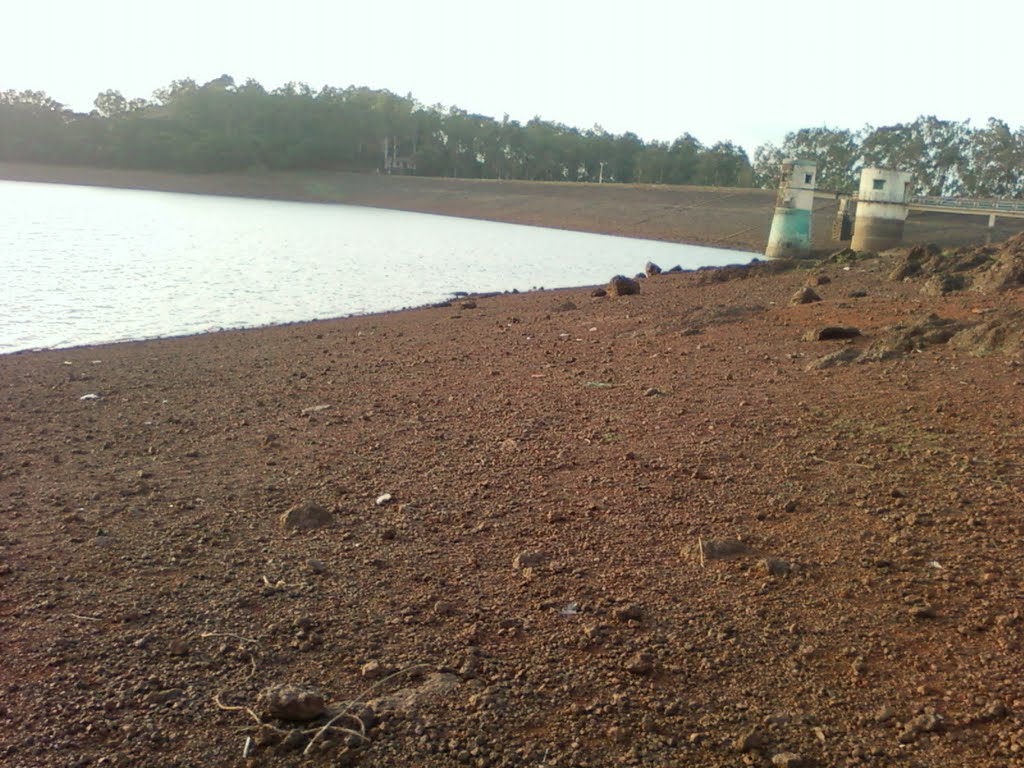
(620, 285)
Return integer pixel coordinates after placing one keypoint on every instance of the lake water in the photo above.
(87, 265)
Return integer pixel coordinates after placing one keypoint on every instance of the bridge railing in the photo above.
(964, 204)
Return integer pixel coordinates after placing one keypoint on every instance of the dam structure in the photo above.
(881, 209)
(790, 235)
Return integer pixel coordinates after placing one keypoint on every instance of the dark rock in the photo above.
(567, 306)
(623, 286)
(856, 294)
(992, 711)
(598, 293)
(831, 333)
(306, 516)
(821, 280)
(290, 702)
(676, 268)
(805, 295)
(631, 612)
(528, 560)
(468, 305)
(651, 269)
(773, 566)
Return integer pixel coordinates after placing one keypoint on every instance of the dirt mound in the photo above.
(1002, 332)
(1007, 271)
(984, 268)
(897, 341)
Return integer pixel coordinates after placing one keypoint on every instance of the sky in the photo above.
(741, 71)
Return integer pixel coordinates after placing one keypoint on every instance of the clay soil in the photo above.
(723, 217)
(520, 489)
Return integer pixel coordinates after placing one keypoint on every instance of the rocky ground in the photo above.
(697, 525)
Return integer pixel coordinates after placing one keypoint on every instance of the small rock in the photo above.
(721, 549)
(290, 702)
(885, 714)
(917, 726)
(631, 612)
(178, 647)
(468, 305)
(567, 306)
(751, 740)
(992, 711)
(821, 280)
(599, 293)
(306, 516)
(773, 566)
(528, 560)
(923, 612)
(316, 566)
(652, 392)
(444, 608)
(651, 269)
(374, 670)
(787, 760)
(856, 294)
(805, 295)
(621, 285)
(165, 697)
(383, 499)
(640, 664)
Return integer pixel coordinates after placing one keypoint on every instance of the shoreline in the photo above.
(733, 218)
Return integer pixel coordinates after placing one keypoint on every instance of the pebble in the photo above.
(530, 559)
(631, 612)
(787, 760)
(165, 697)
(751, 740)
(773, 566)
(640, 664)
(178, 647)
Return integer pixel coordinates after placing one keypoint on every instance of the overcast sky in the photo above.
(745, 71)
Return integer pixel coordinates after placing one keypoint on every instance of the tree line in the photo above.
(221, 126)
(947, 158)
(224, 126)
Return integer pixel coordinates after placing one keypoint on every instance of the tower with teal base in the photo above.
(790, 235)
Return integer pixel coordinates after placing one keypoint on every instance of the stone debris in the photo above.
(291, 702)
(805, 295)
(306, 517)
(723, 549)
(530, 559)
(787, 760)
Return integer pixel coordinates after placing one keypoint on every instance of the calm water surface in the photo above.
(86, 265)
